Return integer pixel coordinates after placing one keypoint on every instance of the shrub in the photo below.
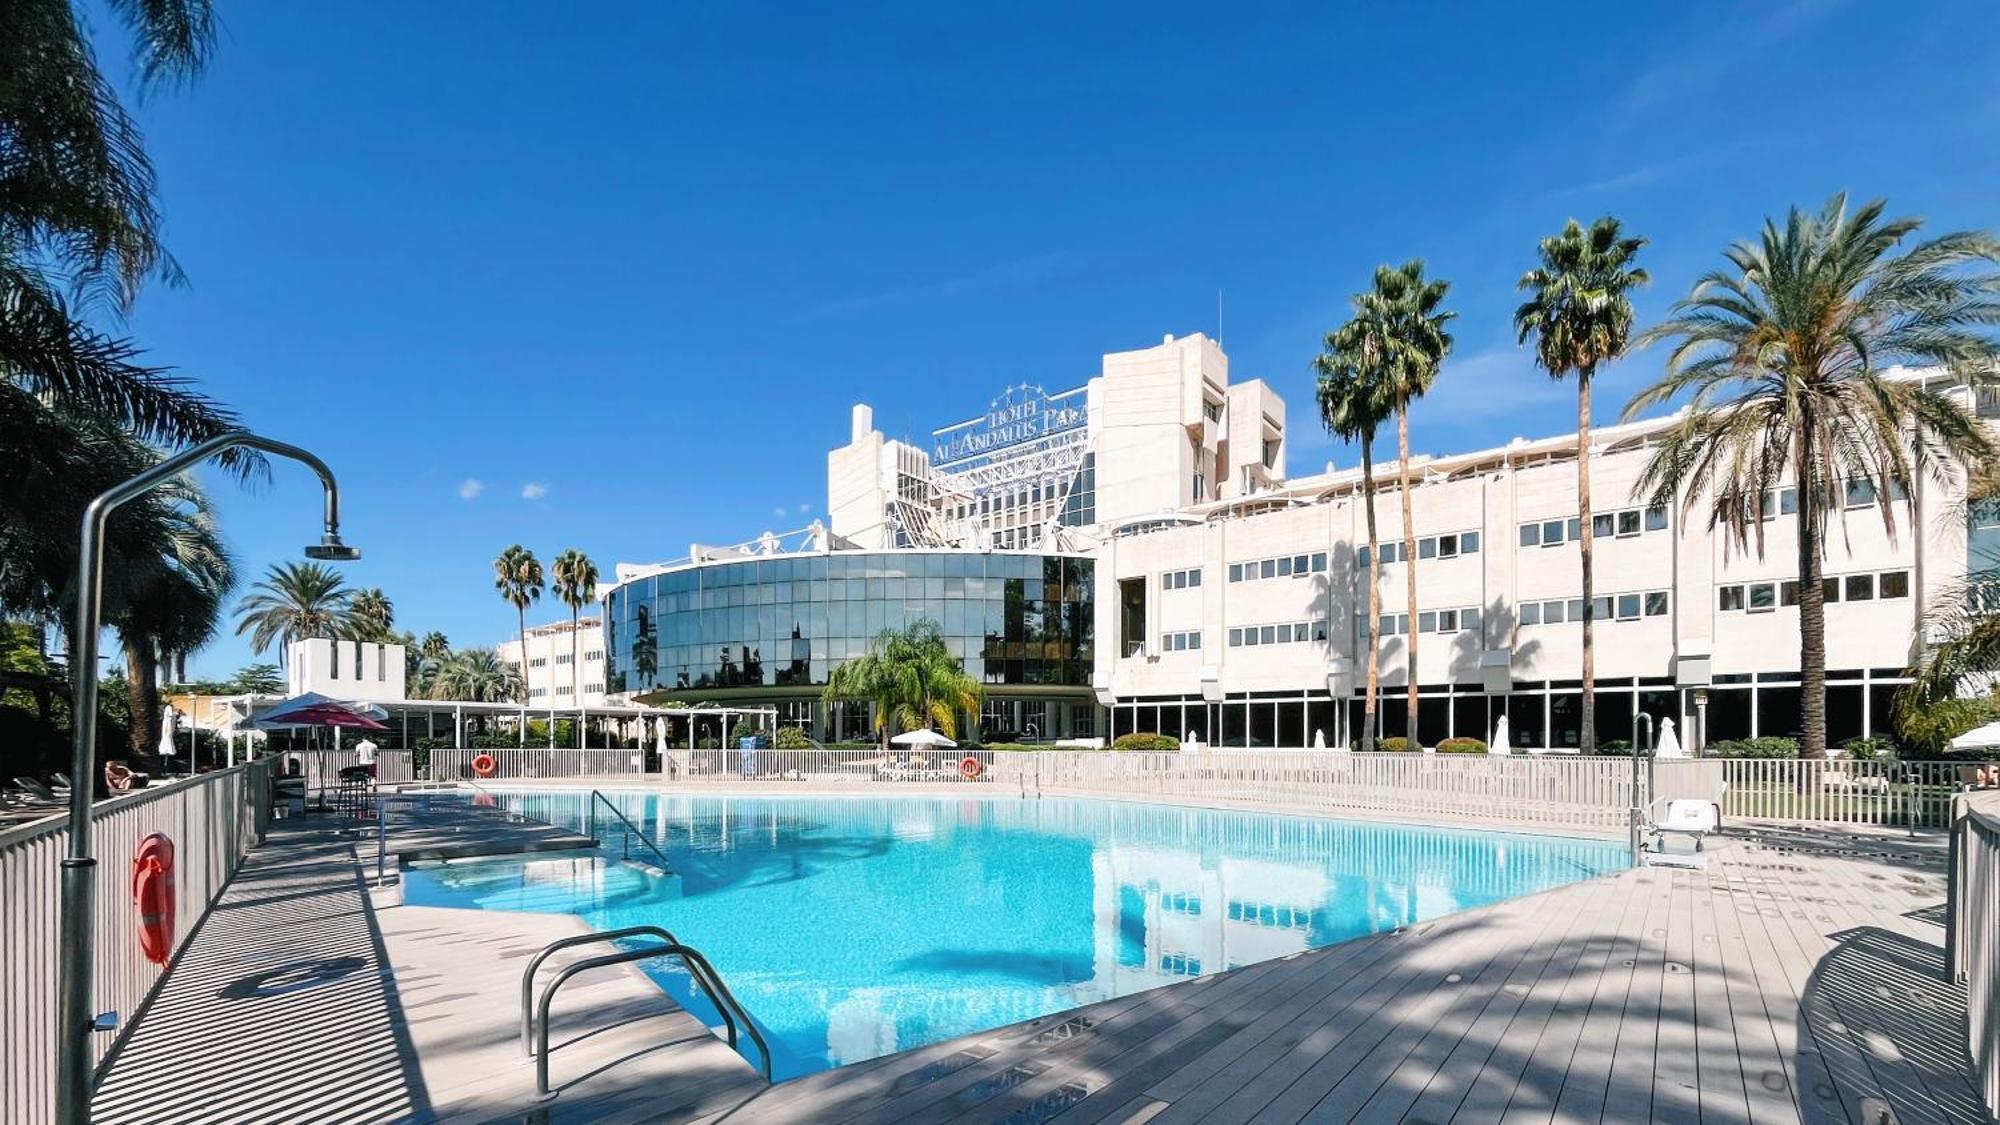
(1140, 741)
(1766, 747)
(1394, 745)
(792, 738)
(1616, 748)
(1870, 749)
(1461, 746)
(743, 729)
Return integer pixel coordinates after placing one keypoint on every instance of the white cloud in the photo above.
(534, 490)
(779, 511)
(1019, 273)
(470, 488)
(804, 508)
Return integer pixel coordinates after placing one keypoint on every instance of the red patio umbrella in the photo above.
(331, 715)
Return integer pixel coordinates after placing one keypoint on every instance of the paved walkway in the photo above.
(1798, 978)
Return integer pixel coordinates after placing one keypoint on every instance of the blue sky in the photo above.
(627, 266)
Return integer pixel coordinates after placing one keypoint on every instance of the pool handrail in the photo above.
(590, 829)
(535, 1032)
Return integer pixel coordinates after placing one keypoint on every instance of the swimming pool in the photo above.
(854, 927)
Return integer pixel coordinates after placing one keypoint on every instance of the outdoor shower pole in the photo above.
(77, 956)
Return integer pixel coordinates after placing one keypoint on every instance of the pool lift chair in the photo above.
(1684, 816)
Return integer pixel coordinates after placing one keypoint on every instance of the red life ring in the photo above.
(153, 897)
(969, 768)
(484, 766)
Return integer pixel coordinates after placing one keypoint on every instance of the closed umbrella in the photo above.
(925, 737)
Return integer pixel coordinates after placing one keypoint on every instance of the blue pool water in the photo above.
(856, 927)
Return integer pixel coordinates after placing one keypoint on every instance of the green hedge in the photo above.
(1139, 741)
(1769, 747)
(1395, 744)
(792, 738)
(1461, 746)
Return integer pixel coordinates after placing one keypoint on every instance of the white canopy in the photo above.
(1978, 738)
(922, 737)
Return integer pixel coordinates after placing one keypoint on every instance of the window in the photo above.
(1236, 572)
(1468, 619)
(1235, 638)
(1468, 542)
(1284, 567)
(1603, 608)
(1601, 525)
(1319, 562)
(1552, 533)
(1860, 587)
(1656, 518)
(1829, 590)
(1270, 634)
(1628, 607)
(539, 662)
(1531, 613)
(1656, 604)
(562, 658)
(1531, 534)
(1269, 568)
(1788, 593)
(1729, 598)
(1180, 642)
(1763, 597)
(1553, 613)
(1427, 621)
(593, 654)
(1780, 502)
(1212, 409)
(1575, 526)
(1895, 584)
(1427, 547)
(1180, 579)
(1628, 523)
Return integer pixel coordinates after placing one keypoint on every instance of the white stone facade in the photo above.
(548, 674)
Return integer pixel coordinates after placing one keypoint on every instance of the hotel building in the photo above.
(548, 676)
(1131, 554)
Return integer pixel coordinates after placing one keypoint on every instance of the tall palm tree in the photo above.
(1398, 334)
(174, 604)
(575, 586)
(1786, 358)
(912, 679)
(476, 675)
(293, 602)
(1352, 407)
(434, 645)
(371, 616)
(517, 574)
(1579, 310)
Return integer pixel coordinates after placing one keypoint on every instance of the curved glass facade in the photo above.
(783, 621)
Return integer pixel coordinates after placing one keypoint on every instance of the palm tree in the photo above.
(258, 679)
(1580, 313)
(1352, 406)
(575, 586)
(477, 675)
(1786, 358)
(1398, 335)
(912, 679)
(174, 603)
(294, 602)
(517, 574)
(371, 616)
(434, 645)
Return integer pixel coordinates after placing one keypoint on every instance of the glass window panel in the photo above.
(1270, 568)
(1575, 609)
(1860, 588)
(1427, 621)
(1319, 562)
(1427, 548)
(1531, 535)
(1656, 604)
(1236, 572)
(1468, 543)
(1763, 595)
(1829, 590)
(1628, 522)
(1729, 598)
(1656, 518)
(1468, 619)
(1628, 606)
(1895, 584)
(1575, 528)
(1270, 634)
(1788, 593)
(1531, 613)
(1552, 533)
(1601, 525)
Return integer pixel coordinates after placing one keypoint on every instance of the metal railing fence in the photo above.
(212, 820)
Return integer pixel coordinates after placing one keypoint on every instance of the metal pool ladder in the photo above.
(535, 1016)
(629, 829)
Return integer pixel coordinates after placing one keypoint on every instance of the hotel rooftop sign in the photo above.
(1021, 415)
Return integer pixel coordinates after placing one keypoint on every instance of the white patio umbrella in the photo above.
(1669, 745)
(169, 722)
(1978, 738)
(1319, 739)
(1500, 745)
(922, 737)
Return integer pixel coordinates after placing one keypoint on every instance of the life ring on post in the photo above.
(969, 768)
(484, 766)
(153, 897)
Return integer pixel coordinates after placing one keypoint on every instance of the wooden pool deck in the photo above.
(1797, 978)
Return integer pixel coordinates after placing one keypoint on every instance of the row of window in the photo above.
(1431, 621)
(1286, 566)
(1428, 547)
(1603, 525)
(538, 662)
(564, 657)
(1180, 642)
(1288, 633)
(537, 693)
(1860, 493)
(1180, 579)
(1612, 607)
(1763, 597)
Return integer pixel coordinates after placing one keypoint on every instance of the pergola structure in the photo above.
(432, 718)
